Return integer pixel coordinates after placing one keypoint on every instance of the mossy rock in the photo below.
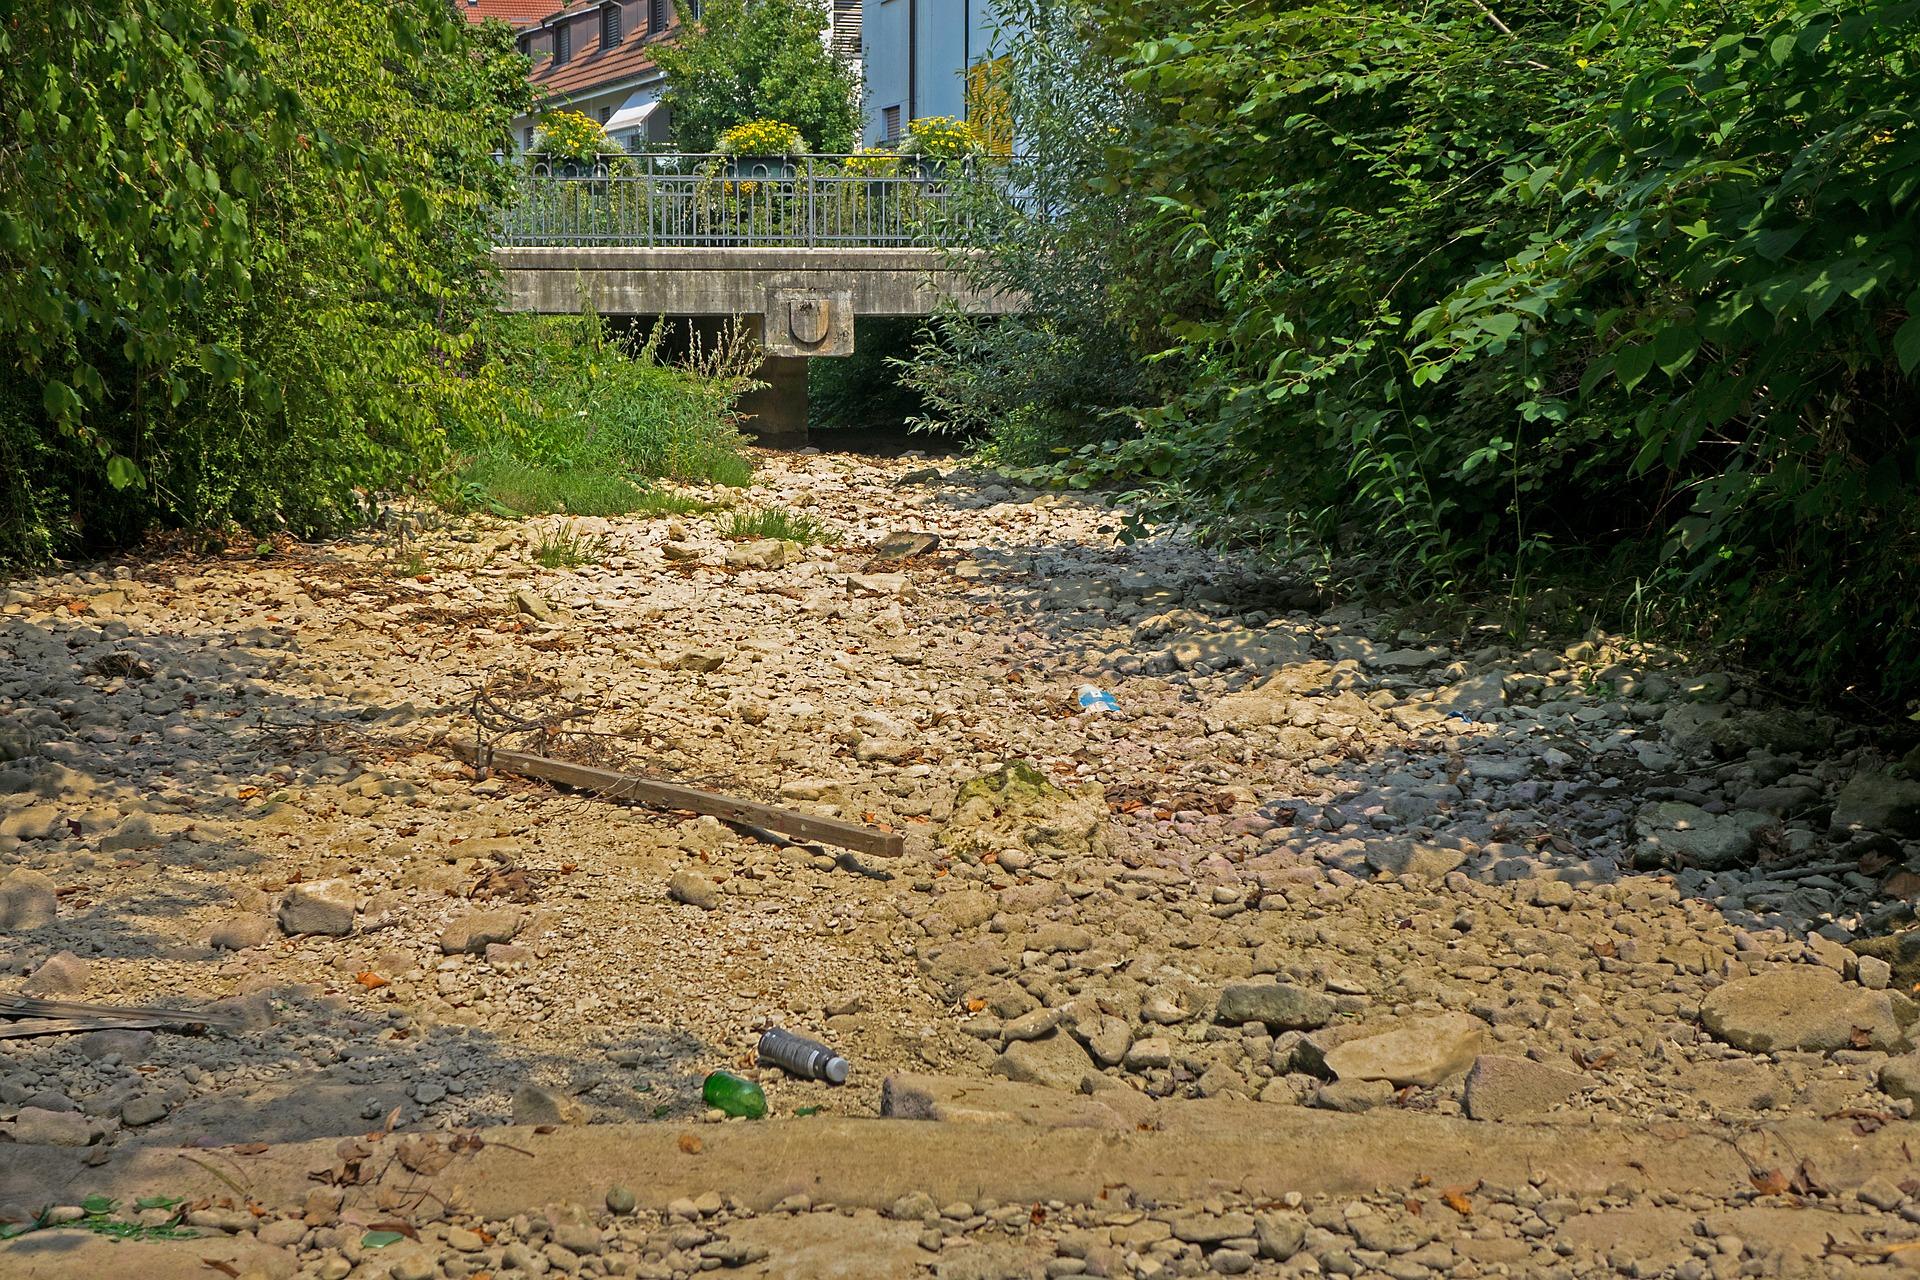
(1016, 806)
(1901, 950)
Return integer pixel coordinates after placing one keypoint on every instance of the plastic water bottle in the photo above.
(1095, 701)
(735, 1095)
(797, 1055)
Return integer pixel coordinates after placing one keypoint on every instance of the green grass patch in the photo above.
(777, 522)
(567, 549)
(588, 419)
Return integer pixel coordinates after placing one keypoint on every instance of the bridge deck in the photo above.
(620, 280)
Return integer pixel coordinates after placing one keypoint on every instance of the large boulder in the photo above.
(1056, 1061)
(1276, 1005)
(1420, 1051)
(318, 906)
(1673, 833)
(1879, 802)
(1503, 1088)
(1016, 807)
(473, 932)
(1807, 1007)
(27, 901)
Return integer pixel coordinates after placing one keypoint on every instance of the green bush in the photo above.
(256, 239)
(586, 418)
(1483, 295)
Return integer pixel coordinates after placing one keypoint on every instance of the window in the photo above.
(529, 142)
(658, 14)
(890, 124)
(606, 114)
(610, 26)
(562, 43)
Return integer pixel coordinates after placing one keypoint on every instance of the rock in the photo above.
(1900, 1077)
(238, 933)
(27, 901)
(1106, 1039)
(282, 1233)
(621, 1200)
(1015, 806)
(1474, 697)
(318, 906)
(1879, 802)
(143, 1109)
(61, 974)
(1277, 1005)
(1353, 1095)
(1211, 1228)
(1900, 950)
(1673, 833)
(694, 889)
(127, 1045)
(1420, 1051)
(1502, 1088)
(1280, 1235)
(1056, 1061)
(700, 660)
(524, 601)
(37, 1126)
(473, 932)
(1149, 1054)
(1413, 859)
(1807, 1007)
(764, 553)
(1875, 974)
(535, 1105)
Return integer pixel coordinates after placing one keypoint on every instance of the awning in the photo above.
(630, 116)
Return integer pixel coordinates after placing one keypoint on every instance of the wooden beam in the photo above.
(28, 1007)
(668, 795)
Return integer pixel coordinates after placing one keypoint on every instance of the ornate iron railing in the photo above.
(872, 200)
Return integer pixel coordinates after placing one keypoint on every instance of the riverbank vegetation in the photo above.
(247, 251)
(1486, 298)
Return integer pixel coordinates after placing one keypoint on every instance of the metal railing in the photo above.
(872, 200)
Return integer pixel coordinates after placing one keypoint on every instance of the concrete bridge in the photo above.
(798, 247)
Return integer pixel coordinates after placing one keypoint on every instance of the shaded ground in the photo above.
(1306, 863)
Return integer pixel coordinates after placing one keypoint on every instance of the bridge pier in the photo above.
(776, 414)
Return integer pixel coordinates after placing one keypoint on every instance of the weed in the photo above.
(567, 548)
(777, 522)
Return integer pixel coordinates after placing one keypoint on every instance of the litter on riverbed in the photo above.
(799, 1056)
(905, 544)
(1095, 701)
(25, 1016)
(668, 795)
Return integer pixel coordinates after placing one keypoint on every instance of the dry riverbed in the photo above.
(1312, 861)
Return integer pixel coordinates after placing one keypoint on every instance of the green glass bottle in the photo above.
(735, 1095)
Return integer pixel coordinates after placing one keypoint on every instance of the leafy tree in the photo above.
(256, 239)
(744, 60)
(1478, 294)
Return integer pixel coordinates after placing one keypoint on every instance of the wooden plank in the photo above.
(668, 795)
(28, 1007)
(24, 1027)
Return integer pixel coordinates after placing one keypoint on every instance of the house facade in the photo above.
(596, 58)
(925, 58)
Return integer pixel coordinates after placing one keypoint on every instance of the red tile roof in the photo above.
(515, 13)
(591, 66)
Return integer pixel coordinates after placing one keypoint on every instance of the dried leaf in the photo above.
(1902, 884)
(546, 1128)
(691, 1145)
(370, 980)
(404, 1228)
(1806, 1180)
(1605, 949)
(249, 1149)
(1768, 1182)
(976, 1004)
(224, 1268)
(1455, 1198)
(1874, 861)
(1860, 1038)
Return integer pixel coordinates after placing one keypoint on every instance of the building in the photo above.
(926, 58)
(594, 58)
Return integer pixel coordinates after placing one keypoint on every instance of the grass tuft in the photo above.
(777, 522)
(567, 548)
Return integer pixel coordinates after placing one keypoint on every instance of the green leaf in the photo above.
(1631, 364)
(159, 1202)
(1674, 346)
(1906, 344)
(123, 472)
(98, 1206)
(380, 1239)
